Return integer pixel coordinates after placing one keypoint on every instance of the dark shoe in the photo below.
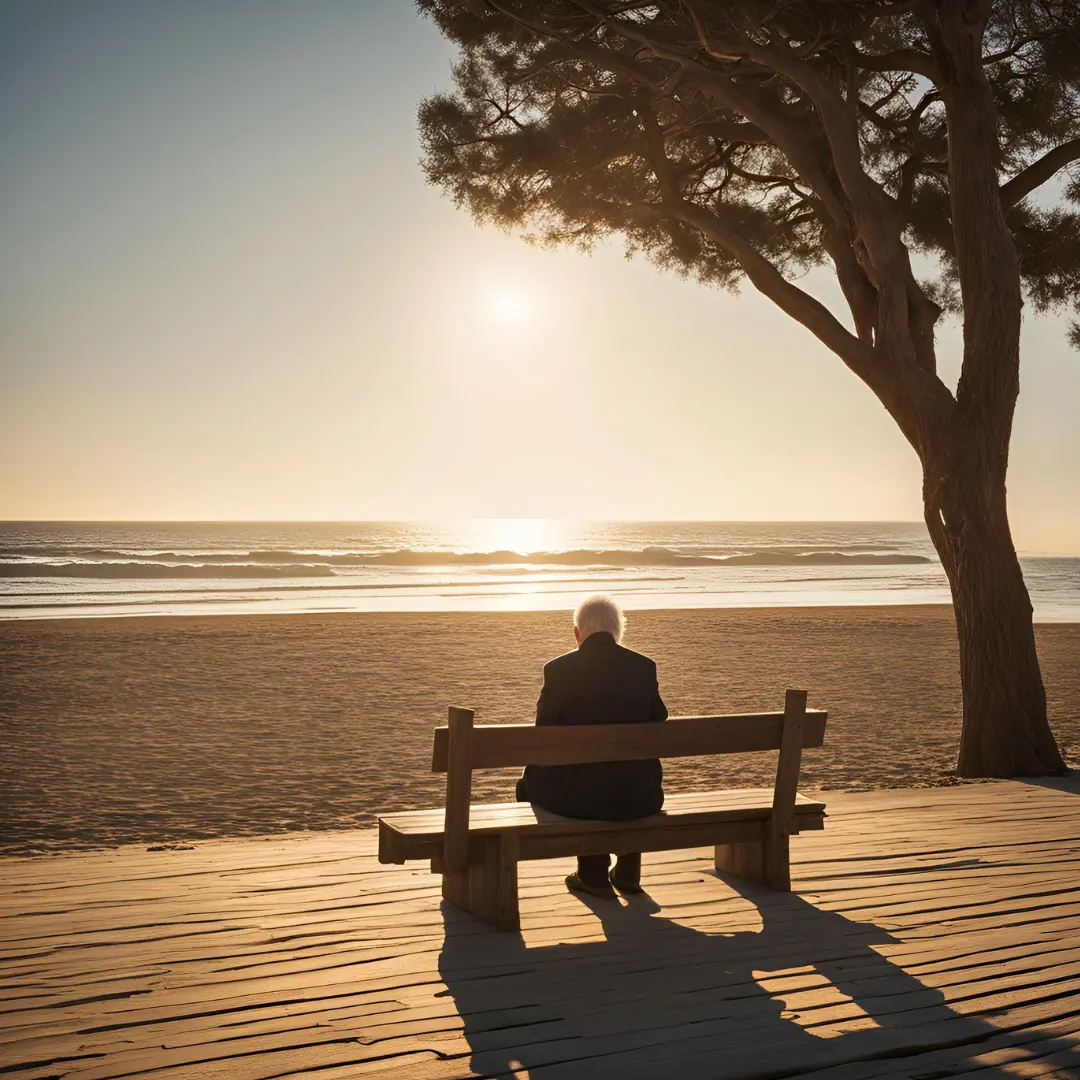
(630, 888)
(575, 884)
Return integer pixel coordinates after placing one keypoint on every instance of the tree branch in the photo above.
(913, 394)
(735, 131)
(987, 263)
(918, 63)
(861, 296)
(1039, 171)
(800, 305)
(909, 173)
(788, 133)
(856, 352)
(662, 168)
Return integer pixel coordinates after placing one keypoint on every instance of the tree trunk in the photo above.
(1005, 729)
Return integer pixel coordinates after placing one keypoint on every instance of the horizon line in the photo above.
(476, 517)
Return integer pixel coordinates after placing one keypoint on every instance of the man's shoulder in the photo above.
(640, 659)
(561, 663)
(575, 657)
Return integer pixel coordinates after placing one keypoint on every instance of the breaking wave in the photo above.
(104, 563)
(151, 571)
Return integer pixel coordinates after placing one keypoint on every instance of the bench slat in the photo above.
(494, 816)
(514, 813)
(418, 834)
(497, 746)
(664, 837)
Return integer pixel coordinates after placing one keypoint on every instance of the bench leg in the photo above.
(778, 863)
(745, 860)
(388, 852)
(488, 887)
(764, 862)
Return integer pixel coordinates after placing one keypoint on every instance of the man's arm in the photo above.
(547, 710)
(657, 708)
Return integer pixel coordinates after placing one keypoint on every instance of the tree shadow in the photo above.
(1068, 784)
(657, 998)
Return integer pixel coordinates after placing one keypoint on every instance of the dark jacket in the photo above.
(599, 683)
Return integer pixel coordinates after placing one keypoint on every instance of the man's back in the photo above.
(599, 683)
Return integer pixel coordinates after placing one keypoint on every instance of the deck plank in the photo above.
(931, 933)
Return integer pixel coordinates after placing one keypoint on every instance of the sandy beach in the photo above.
(163, 730)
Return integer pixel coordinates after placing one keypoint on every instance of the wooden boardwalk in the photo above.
(933, 933)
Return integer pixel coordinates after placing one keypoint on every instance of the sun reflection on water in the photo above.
(522, 535)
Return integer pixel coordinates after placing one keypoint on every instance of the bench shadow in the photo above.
(657, 998)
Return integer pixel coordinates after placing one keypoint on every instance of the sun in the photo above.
(509, 303)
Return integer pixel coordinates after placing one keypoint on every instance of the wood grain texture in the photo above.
(745, 858)
(931, 933)
(458, 790)
(488, 887)
(777, 854)
(419, 834)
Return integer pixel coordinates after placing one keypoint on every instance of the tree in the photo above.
(898, 143)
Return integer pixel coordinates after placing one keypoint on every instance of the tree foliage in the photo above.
(725, 139)
(921, 149)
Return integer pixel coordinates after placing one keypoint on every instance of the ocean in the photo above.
(94, 569)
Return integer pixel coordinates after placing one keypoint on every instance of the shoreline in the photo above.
(156, 729)
(631, 613)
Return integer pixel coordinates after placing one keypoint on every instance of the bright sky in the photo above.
(225, 292)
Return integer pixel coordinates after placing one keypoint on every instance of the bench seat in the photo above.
(690, 819)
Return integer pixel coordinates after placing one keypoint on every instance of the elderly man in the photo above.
(600, 682)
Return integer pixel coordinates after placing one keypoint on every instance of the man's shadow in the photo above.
(656, 998)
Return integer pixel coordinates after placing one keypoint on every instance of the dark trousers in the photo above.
(593, 869)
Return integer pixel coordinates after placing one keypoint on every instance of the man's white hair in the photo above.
(599, 613)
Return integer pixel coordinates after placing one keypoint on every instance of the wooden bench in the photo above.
(477, 848)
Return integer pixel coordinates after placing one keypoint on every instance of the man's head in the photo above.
(598, 614)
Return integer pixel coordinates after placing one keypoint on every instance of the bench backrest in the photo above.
(460, 747)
